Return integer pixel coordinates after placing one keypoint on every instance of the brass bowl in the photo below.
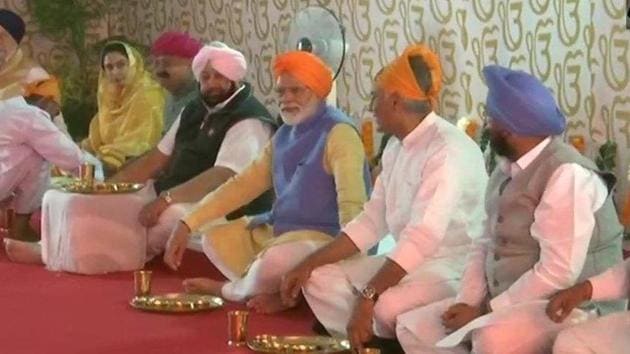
(176, 302)
(100, 187)
(266, 343)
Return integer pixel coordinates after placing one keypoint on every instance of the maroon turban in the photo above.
(177, 44)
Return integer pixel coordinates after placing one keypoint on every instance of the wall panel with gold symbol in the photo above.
(578, 48)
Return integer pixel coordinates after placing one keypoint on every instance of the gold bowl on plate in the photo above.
(176, 302)
(100, 187)
(265, 343)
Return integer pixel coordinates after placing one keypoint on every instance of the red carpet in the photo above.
(45, 312)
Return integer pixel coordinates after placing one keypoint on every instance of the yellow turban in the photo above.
(48, 88)
(306, 68)
(399, 77)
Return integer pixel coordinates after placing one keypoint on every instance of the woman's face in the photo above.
(116, 68)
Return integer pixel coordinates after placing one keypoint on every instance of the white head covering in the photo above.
(227, 61)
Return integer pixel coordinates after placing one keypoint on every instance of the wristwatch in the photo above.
(369, 293)
(167, 197)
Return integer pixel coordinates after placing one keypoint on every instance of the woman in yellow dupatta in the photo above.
(130, 108)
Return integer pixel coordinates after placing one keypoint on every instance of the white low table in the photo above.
(93, 234)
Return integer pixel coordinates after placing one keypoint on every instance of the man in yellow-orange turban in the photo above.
(317, 168)
(421, 198)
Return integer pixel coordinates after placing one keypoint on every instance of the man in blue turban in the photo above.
(519, 105)
(551, 223)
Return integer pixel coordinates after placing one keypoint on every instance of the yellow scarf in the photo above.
(128, 122)
(15, 75)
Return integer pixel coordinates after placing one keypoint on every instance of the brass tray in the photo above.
(176, 302)
(298, 344)
(100, 188)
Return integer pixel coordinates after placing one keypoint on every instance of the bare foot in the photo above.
(268, 303)
(203, 286)
(23, 252)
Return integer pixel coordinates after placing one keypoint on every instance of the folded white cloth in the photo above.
(93, 234)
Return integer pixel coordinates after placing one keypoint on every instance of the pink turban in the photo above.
(227, 61)
(177, 44)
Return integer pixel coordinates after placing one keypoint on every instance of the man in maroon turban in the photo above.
(172, 54)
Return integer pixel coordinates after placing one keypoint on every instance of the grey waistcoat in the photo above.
(515, 251)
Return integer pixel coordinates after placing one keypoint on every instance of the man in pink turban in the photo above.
(215, 136)
(172, 54)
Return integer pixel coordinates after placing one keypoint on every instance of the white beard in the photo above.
(292, 119)
(304, 114)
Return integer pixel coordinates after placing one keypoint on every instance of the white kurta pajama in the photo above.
(609, 334)
(29, 143)
(429, 197)
(564, 221)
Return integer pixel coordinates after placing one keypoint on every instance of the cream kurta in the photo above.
(430, 198)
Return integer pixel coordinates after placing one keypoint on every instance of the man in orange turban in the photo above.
(317, 168)
(421, 198)
(308, 81)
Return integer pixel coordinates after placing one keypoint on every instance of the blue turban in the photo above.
(521, 104)
(13, 24)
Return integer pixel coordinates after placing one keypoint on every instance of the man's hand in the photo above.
(176, 245)
(150, 213)
(563, 302)
(360, 326)
(459, 315)
(292, 284)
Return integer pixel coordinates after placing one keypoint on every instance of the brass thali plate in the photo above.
(100, 187)
(298, 344)
(176, 302)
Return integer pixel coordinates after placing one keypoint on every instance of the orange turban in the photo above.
(398, 76)
(306, 68)
(48, 88)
